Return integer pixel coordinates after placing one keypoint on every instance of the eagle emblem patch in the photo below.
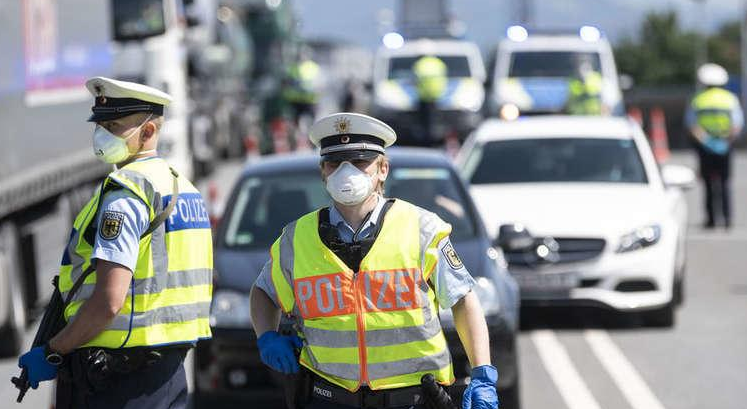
(452, 257)
(342, 125)
(111, 225)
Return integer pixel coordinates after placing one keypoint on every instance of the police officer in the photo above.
(431, 75)
(137, 271)
(585, 91)
(362, 281)
(300, 89)
(714, 118)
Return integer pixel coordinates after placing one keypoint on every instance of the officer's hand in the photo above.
(481, 394)
(719, 146)
(277, 351)
(37, 367)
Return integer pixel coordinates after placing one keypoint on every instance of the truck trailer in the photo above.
(47, 166)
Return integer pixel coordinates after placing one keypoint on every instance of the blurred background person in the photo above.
(301, 86)
(714, 118)
(431, 76)
(585, 90)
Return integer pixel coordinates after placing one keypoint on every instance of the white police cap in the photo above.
(712, 74)
(347, 135)
(115, 99)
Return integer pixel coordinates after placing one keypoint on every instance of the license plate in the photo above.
(554, 281)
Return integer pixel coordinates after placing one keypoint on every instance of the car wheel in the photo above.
(661, 317)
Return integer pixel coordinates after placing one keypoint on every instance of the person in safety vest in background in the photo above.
(585, 91)
(363, 279)
(137, 270)
(301, 86)
(431, 79)
(714, 118)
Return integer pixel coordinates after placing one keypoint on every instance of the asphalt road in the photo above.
(576, 360)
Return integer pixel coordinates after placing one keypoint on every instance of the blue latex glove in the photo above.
(35, 362)
(277, 351)
(481, 393)
(719, 146)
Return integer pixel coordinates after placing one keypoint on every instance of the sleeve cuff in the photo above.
(115, 257)
(456, 293)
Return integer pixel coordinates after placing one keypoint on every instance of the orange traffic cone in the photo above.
(451, 143)
(251, 146)
(212, 204)
(280, 134)
(302, 141)
(635, 114)
(658, 135)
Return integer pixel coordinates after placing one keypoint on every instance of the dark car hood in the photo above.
(239, 269)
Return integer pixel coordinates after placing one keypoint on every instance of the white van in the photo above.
(532, 70)
(395, 99)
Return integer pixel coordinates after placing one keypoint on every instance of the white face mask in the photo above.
(349, 185)
(110, 148)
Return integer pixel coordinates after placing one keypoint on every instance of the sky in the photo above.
(356, 21)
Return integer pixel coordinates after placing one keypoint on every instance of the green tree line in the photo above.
(664, 53)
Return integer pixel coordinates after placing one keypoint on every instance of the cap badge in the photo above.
(345, 139)
(100, 93)
(342, 125)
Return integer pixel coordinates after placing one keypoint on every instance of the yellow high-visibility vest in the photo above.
(378, 325)
(304, 76)
(585, 95)
(171, 289)
(712, 109)
(432, 75)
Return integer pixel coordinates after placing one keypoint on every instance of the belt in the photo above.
(128, 360)
(365, 397)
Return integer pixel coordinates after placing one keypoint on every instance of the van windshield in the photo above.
(551, 63)
(457, 66)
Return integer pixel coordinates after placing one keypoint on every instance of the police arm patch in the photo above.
(111, 224)
(451, 256)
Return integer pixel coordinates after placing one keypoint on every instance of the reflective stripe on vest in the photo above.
(713, 109)
(378, 325)
(169, 297)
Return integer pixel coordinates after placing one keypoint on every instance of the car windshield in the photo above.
(556, 160)
(264, 205)
(435, 189)
(551, 63)
(401, 67)
(136, 19)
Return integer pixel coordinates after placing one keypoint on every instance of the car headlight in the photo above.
(390, 95)
(230, 309)
(468, 96)
(639, 238)
(488, 296)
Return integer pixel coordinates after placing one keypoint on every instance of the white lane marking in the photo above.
(623, 373)
(567, 380)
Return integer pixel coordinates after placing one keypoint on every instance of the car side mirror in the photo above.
(625, 82)
(514, 238)
(678, 176)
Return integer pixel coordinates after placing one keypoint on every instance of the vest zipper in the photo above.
(361, 331)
